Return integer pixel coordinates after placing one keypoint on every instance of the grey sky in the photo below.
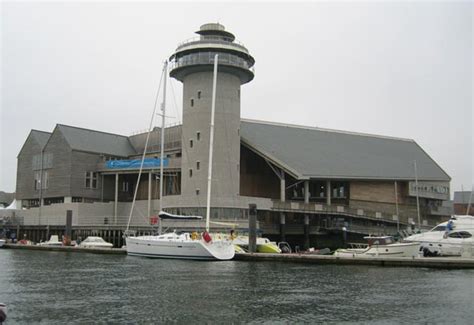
(401, 69)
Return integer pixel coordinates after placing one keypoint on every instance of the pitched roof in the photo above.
(41, 137)
(96, 141)
(309, 152)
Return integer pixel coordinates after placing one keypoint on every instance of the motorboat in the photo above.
(53, 241)
(95, 242)
(2, 242)
(3, 313)
(381, 246)
(450, 238)
(264, 245)
(181, 246)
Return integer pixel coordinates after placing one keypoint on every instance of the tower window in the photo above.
(190, 143)
(198, 165)
(198, 135)
(190, 172)
(192, 102)
(199, 94)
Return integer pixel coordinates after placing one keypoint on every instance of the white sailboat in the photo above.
(184, 245)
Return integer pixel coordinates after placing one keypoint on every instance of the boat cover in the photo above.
(166, 215)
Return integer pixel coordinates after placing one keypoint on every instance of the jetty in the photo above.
(426, 262)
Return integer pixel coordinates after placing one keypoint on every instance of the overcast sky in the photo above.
(400, 69)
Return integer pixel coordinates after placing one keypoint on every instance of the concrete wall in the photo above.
(197, 118)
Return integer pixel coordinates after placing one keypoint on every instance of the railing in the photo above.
(336, 209)
(211, 39)
(208, 58)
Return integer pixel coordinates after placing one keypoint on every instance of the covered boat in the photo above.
(381, 246)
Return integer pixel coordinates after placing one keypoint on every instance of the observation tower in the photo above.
(192, 64)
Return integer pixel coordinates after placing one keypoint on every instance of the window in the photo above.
(199, 94)
(125, 186)
(197, 191)
(198, 135)
(190, 173)
(192, 102)
(190, 143)
(38, 180)
(460, 234)
(198, 165)
(91, 180)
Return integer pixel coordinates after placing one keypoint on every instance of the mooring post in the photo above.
(306, 231)
(282, 227)
(252, 228)
(68, 232)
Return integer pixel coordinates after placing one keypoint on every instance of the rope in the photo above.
(150, 128)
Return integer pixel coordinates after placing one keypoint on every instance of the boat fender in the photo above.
(207, 238)
(194, 235)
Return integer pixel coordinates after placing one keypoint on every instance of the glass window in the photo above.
(190, 143)
(455, 235)
(190, 172)
(199, 94)
(198, 165)
(91, 179)
(192, 102)
(198, 135)
(439, 228)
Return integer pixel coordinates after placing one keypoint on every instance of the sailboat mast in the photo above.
(162, 133)
(417, 197)
(211, 143)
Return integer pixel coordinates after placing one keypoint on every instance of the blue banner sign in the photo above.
(136, 163)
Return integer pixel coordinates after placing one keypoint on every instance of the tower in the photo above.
(192, 64)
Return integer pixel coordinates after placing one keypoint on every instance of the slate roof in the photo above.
(97, 142)
(41, 137)
(309, 152)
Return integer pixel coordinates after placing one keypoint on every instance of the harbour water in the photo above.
(59, 288)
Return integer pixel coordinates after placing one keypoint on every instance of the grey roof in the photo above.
(462, 197)
(6, 198)
(309, 152)
(96, 141)
(41, 137)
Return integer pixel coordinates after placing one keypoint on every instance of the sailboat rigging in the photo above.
(184, 245)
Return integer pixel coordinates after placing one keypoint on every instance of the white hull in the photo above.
(392, 250)
(2, 242)
(179, 247)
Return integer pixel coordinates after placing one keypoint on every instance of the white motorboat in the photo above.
(53, 241)
(264, 245)
(381, 246)
(182, 246)
(2, 242)
(450, 238)
(3, 313)
(95, 242)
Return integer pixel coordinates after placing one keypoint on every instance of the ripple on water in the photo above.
(58, 288)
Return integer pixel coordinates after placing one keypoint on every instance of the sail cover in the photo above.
(166, 215)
